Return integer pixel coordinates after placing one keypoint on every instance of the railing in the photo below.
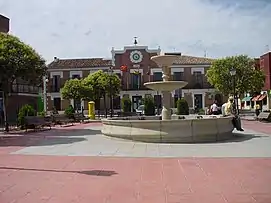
(53, 88)
(28, 89)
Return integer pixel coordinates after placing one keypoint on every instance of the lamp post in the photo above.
(110, 71)
(45, 81)
(233, 74)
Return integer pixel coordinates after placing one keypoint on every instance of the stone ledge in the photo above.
(190, 130)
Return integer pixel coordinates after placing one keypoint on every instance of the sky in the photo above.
(90, 28)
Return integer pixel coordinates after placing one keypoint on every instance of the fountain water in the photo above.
(184, 129)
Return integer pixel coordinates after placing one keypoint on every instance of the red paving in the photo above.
(257, 126)
(52, 179)
(55, 179)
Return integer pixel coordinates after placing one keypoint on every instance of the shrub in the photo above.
(24, 111)
(149, 106)
(42, 113)
(201, 112)
(126, 104)
(182, 107)
(69, 112)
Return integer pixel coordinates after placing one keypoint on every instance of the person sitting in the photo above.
(229, 110)
(214, 108)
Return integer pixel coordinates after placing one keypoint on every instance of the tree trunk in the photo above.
(5, 97)
(104, 96)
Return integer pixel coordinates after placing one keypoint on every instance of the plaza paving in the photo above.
(90, 142)
(78, 164)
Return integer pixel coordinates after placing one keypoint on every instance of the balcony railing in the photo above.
(27, 89)
(53, 88)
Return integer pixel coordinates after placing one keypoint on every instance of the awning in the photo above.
(256, 98)
(246, 99)
(262, 97)
(259, 97)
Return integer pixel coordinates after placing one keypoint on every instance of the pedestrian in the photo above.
(229, 110)
(257, 109)
(214, 108)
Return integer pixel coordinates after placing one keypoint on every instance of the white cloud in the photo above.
(90, 28)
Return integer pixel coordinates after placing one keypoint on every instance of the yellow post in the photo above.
(91, 110)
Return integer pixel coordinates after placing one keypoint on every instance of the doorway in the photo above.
(198, 102)
(57, 103)
(136, 102)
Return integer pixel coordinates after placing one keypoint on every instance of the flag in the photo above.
(123, 68)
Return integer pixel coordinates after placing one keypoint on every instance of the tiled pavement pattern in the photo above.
(54, 179)
(90, 142)
(185, 177)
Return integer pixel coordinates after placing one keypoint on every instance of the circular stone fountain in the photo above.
(180, 129)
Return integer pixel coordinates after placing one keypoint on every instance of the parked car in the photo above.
(140, 110)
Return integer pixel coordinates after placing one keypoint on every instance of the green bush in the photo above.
(24, 111)
(42, 113)
(182, 107)
(201, 112)
(126, 104)
(149, 106)
(69, 112)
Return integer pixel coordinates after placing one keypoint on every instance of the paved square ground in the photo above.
(90, 142)
(80, 165)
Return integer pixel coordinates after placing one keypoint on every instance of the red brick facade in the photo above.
(265, 65)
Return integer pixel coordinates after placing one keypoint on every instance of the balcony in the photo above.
(26, 89)
(133, 87)
(53, 88)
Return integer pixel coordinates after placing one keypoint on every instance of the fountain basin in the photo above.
(165, 85)
(188, 130)
(164, 60)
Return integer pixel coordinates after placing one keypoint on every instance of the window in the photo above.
(77, 105)
(265, 101)
(76, 76)
(178, 76)
(56, 83)
(158, 101)
(57, 104)
(116, 103)
(157, 76)
(136, 81)
(198, 79)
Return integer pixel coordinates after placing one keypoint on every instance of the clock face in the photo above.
(136, 56)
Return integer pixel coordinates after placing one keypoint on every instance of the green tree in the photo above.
(126, 104)
(18, 61)
(76, 89)
(102, 84)
(247, 78)
(182, 107)
(94, 80)
(149, 106)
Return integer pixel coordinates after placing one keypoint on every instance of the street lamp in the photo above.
(45, 81)
(110, 71)
(233, 73)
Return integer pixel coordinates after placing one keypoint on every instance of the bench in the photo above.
(264, 116)
(80, 117)
(36, 122)
(62, 119)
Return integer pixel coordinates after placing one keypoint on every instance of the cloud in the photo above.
(92, 27)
